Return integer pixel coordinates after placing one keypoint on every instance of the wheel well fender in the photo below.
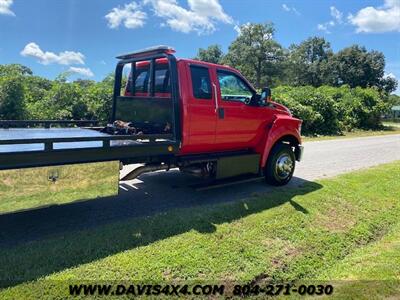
(282, 132)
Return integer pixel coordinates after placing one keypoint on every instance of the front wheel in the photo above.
(280, 165)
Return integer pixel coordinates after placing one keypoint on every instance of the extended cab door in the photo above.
(200, 109)
(240, 123)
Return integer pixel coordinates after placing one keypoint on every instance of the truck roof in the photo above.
(187, 60)
(194, 61)
(147, 51)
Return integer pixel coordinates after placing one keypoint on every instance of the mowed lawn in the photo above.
(387, 129)
(370, 272)
(334, 229)
(30, 188)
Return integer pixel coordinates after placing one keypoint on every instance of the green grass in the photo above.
(392, 124)
(388, 128)
(370, 272)
(291, 234)
(30, 188)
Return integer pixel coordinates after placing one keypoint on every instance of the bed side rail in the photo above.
(46, 123)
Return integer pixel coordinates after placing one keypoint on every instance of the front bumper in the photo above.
(299, 152)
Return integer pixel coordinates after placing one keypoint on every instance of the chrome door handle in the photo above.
(216, 97)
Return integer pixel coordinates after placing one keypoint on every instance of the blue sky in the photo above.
(52, 36)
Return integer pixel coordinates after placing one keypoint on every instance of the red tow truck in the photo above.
(205, 119)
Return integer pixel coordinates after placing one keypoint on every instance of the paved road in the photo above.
(333, 157)
(162, 191)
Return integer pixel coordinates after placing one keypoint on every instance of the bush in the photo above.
(330, 110)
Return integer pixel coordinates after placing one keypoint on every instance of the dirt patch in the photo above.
(7, 181)
(285, 253)
(337, 219)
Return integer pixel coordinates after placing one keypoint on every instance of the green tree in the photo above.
(99, 98)
(357, 67)
(212, 54)
(256, 54)
(12, 98)
(85, 83)
(308, 62)
(388, 84)
(64, 101)
(35, 91)
(394, 99)
(14, 70)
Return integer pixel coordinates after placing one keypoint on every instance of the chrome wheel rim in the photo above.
(284, 166)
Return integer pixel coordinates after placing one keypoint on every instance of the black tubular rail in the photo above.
(172, 64)
(46, 123)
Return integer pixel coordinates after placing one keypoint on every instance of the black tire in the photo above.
(280, 165)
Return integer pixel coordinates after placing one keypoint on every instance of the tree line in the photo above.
(331, 92)
(265, 62)
(24, 95)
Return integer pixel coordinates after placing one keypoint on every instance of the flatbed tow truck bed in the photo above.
(56, 145)
(36, 147)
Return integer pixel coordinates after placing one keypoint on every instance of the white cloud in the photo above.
(296, 11)
(130, 15)
(285, 7)
(201, 17)
(5, 7)
(336, 14)
(45, 58)
(377, 20)
(238, 27)
(324, 27)
(389, 75)
(81, 71)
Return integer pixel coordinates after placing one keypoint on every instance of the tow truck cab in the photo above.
(225, 127)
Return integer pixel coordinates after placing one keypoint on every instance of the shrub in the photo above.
(330, 110)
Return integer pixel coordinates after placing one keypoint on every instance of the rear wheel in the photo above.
(280, 165)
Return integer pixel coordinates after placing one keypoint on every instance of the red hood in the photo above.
(281, 108)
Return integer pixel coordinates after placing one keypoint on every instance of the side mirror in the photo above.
(266, 94)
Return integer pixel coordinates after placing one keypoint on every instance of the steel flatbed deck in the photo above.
(35, 147)
(57, 145)
(48, 146)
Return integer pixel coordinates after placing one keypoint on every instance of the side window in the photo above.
(201, 83)
(141, 81)
(233, 87)
(162, 79)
